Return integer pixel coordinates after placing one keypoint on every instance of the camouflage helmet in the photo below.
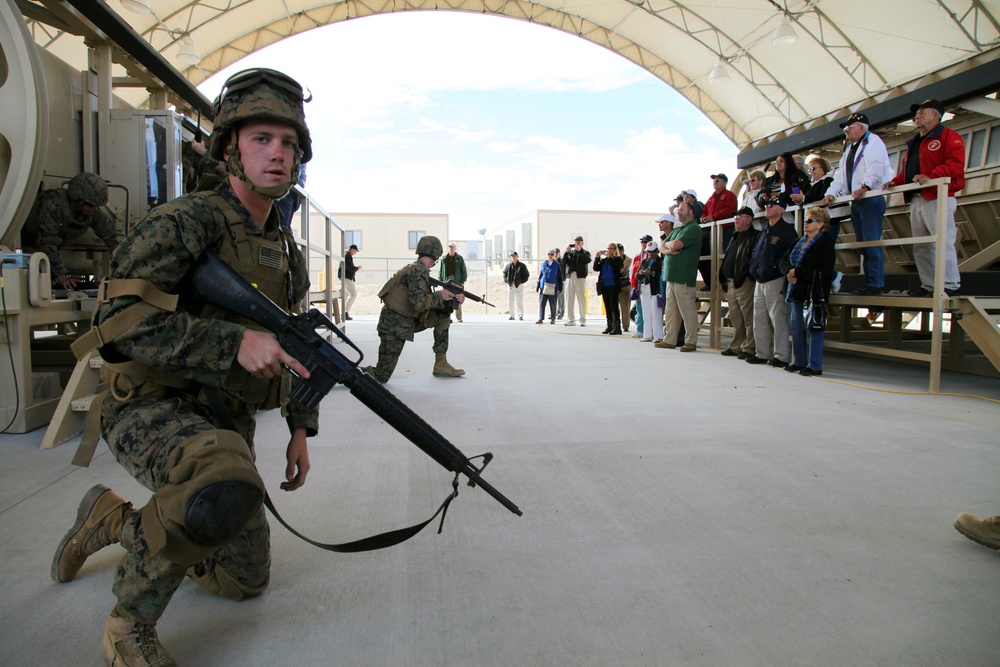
(430, 246)
(88, 188)
(263, 95)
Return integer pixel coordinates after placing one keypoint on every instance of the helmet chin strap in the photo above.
(235, 166)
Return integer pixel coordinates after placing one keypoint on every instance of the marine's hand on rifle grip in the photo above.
(262, 356)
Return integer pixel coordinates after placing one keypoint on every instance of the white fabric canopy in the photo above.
(847, 53)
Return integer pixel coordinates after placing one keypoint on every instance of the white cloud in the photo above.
(463, 114)
(459, 133)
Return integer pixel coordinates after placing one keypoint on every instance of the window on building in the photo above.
(353, 237)
(414, 238)
(993, 151)
(976, 148)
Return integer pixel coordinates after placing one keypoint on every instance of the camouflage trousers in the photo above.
(395, 329)
(143, 435)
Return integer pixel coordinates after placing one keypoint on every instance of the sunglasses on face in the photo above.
(808, 220)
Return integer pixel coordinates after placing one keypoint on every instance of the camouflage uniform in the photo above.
(145, 431)
(395, 328)
(52, 223)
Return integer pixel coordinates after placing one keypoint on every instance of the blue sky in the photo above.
(486, 118)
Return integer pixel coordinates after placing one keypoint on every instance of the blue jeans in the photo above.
(638, 315)
(801, 339)
(547, 299)
(866, 216)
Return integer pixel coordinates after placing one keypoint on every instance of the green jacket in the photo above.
(461, 273)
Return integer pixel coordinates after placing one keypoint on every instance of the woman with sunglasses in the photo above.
(818, 169)
(608, 265)
(809, 266)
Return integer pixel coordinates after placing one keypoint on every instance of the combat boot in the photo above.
(129, 643)
(984, 531)
(99, 522)
(372, 371)
(442, 369)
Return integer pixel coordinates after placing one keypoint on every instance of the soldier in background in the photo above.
(409, 307)
(188, 380)
(62, 215)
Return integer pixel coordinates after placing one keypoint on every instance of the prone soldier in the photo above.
(187, 378)
(61, 215)
(409, 307)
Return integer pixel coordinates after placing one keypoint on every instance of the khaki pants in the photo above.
(741, 315)
(576, 290)
(770, 317)
(681, 305)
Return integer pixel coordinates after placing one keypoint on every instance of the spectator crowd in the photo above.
(776, 281)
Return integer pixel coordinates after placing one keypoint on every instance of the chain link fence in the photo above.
(485, 278)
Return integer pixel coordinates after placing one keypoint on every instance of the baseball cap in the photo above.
(722, 176)
(452, 245)
(784, 201)
(666, 217)
(746, 210)
(578, 238)
(691, 192)
(645, 238)
(650, 247)
(928, 104)
(352, 247)
(855, 118)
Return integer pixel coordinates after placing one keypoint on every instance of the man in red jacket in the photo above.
(721, 205)
(936, 151)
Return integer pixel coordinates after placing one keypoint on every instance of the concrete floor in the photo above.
(679, 509)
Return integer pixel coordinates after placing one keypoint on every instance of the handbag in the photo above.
(549, 289)
(814, 308)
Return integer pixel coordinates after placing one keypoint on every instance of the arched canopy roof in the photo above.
(848, 53)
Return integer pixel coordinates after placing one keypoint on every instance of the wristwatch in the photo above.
(866, 187)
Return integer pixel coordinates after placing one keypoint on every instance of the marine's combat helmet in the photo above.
(259, 95)
(430, 246)
(88, 188)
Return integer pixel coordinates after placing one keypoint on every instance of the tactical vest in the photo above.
(262, 263)
(395, 295)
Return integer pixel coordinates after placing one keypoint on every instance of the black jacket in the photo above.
(817, 190)
(773, 185)
(577, 262)
(815, 264)
(650, 273)
(616, 262)
(772, 244)
(736, 262)
(348, 270)
(516, 275)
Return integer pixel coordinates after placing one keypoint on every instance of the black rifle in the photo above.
(455, 289)
(214, 282)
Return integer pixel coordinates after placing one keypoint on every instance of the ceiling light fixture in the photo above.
(137, 6)
(784, 34)
(719, 74)
(188, 53)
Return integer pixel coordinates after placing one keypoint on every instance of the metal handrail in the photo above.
(939, 296)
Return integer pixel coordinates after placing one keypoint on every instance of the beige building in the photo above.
(534, 233)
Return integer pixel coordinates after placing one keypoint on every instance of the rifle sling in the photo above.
(381, 541)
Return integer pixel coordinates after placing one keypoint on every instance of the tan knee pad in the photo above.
(207, 459)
